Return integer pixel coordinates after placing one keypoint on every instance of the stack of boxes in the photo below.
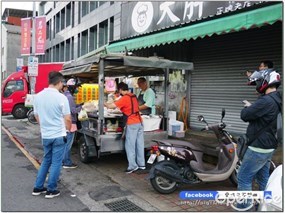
(86, 93)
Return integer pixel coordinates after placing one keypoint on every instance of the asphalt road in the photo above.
(17, 179)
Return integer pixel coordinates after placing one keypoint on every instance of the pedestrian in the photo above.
(261, 130)
(146, 97)
(52, 112)
(69, 89)
(134, 139)
(267, 64)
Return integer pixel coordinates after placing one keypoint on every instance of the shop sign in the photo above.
(25, 36)
(151, 16)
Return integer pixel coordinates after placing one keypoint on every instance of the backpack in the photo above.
(279, 123)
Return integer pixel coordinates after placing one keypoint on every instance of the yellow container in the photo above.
(87, 92)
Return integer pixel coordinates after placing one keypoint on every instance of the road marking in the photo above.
(21, 147)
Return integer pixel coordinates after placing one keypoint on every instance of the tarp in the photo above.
(241, 21)
(119, 64)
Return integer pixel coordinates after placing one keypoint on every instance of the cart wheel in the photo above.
(83, 151)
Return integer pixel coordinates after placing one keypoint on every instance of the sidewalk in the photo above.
(113, 166)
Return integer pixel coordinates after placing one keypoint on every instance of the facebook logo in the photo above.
(267, 195)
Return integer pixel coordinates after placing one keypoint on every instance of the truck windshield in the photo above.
(13, 86)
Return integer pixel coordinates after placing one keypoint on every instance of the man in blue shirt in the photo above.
(51, 109)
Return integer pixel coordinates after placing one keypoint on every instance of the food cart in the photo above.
(93, 137)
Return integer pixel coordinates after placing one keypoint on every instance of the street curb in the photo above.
(23, 149)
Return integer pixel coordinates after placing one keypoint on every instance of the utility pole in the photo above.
(33, 78)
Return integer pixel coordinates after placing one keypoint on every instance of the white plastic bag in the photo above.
(29, 100)
(82, 116)
(90, 106)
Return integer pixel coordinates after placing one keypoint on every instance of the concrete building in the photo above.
(11, 39)
(78, 28)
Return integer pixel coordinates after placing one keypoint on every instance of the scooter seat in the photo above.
(179, 143)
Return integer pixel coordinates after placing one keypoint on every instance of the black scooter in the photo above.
(183, 164)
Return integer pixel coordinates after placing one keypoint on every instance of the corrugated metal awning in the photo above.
(241, 21)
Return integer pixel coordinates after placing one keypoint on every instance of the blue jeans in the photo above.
(134, 145)
(53, 155)
(69, 141)
(254, 165)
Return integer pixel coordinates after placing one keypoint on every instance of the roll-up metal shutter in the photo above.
(220, 61)
(218, 79)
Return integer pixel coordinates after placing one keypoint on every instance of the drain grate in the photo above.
(123, 206)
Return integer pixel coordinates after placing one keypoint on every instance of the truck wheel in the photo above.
(19, 111)
(83, 151)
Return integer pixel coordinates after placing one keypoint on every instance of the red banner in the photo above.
(40, 35)
(25, 36)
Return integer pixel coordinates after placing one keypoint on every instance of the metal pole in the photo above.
(33, 78)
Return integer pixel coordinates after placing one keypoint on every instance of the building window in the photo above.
(93, 38)
(85, 8)
(68, 15)
(54, 28)
(53, 54)
(73, 13)
(48, 30)
(57, 22)
(101, 3)
(67, 50)
(93, 5)
(57, 53)
(78, 45)
(84, 42)
(47, 55)
(72, 48)
(62, 19)
(111, 29)
(103, 33)
(79, 12)
(61, 56)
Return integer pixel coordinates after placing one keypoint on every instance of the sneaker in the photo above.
(52, 194)
(37, 191)
(72, 166)
(142, 168)
(129, 171)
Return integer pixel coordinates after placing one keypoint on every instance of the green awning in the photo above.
(231, 23)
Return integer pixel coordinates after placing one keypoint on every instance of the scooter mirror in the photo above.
(200, 118)
(223, 113)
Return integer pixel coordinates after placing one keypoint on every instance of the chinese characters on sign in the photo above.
(40, 35)
(151, 16)
(25, 36)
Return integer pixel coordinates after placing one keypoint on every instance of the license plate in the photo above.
(151, 159)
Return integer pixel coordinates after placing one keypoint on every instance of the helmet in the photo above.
(264, 79)
(71, 82)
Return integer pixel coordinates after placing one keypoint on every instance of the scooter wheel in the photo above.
(163, 185)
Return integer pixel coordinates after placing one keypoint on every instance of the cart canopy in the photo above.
(122, 65)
